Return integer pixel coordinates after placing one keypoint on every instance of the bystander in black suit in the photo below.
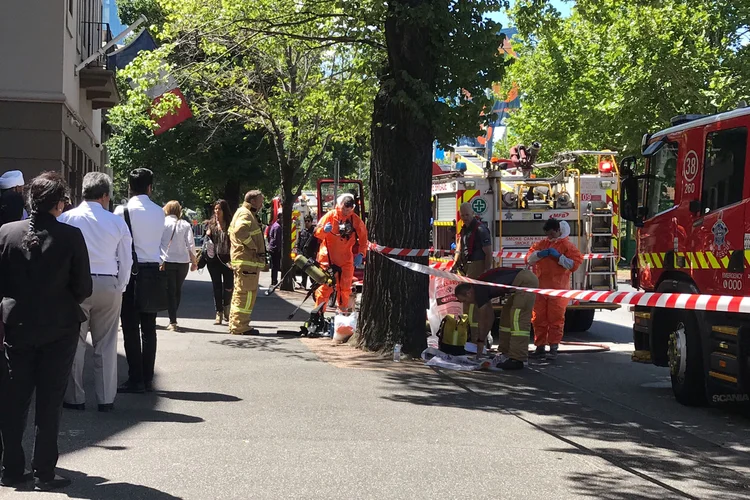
(44, 276)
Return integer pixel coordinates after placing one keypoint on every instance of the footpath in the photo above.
(277, 417)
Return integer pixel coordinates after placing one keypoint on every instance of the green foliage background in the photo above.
(616, 69)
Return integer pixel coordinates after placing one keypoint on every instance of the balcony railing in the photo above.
(93, 37)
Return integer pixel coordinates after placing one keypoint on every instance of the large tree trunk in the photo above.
(232, 194)
(395, 299)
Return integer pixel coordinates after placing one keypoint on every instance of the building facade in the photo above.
(50, 105)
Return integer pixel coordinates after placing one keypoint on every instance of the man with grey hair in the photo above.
(110, 254)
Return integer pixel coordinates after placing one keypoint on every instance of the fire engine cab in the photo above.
(692, 210)
(515, 205)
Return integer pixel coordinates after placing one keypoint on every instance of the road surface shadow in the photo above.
(198, 304)
(269, 343)
(206, 397)
(675, 463)
(82, 429)
(91, 487)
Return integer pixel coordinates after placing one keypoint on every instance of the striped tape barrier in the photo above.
(522, 255)
(426, 252)
(400, 252)
(693, 302)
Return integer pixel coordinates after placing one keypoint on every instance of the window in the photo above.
(724, 170)
(660, 189)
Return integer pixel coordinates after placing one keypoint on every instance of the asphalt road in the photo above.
(263, 417)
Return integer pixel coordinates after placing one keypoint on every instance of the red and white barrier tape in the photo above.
(694, 302)
(442, 265)
(400, 252)
(407, 252)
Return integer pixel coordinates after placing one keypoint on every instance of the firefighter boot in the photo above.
(552, 352)
(539, 353)
(510, 364)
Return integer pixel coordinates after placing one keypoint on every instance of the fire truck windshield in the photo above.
(662, 170)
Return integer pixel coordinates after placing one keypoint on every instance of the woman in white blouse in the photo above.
(178, 255)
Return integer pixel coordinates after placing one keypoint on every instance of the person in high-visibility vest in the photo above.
(248, 254)
(515, 319)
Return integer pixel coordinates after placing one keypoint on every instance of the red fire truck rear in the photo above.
(515, 207)
(692, 209)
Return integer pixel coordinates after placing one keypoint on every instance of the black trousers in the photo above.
(222, 279)
(3, 380)
(139, 334)
(176, 274)
(275, 266)
(44, 368)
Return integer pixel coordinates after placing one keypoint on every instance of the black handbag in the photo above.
(149, 282)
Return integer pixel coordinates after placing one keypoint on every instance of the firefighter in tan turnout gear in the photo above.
(248, 254)
(515, 320)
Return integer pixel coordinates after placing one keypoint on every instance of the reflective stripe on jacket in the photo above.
(248, 248)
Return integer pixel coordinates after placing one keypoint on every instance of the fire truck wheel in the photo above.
(579, 320)
(685, 362)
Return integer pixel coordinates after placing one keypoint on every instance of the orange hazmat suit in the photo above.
(548, 317)
(337, 249)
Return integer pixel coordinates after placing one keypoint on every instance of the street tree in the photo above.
(306, 71)
(616, 69)
(303, 90)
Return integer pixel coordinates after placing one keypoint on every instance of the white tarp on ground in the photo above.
(434, 357)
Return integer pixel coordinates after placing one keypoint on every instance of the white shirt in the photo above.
(107, 240)
(147, 221)
(183, 243)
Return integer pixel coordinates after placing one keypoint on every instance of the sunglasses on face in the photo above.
(349, 203)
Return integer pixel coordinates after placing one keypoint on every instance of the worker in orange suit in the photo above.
(554, 258)
(339, 231)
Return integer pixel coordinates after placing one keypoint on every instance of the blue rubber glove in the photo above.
(542, 253)
(553, 253)
(358, 259)
(328, 227)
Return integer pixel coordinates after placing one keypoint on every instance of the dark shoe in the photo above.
(128, 388)
(538, 353)
(252, 331)
(106, 408)
(511, 364)
(73, 406)
(53, 484)
(149, 386)
(11, 481)
(552, 354)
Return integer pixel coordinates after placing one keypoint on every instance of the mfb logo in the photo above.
(563, 215)
(731, 398)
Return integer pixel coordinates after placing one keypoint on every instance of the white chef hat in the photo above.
(11, 179)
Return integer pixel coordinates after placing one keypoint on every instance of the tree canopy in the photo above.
(616, 69)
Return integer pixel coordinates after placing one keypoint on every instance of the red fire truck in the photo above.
(691, 207)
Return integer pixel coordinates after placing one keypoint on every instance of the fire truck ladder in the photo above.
(601, 273)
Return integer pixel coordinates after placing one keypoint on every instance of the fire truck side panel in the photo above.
(718, 237)
(695, 239)
(675, 240)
